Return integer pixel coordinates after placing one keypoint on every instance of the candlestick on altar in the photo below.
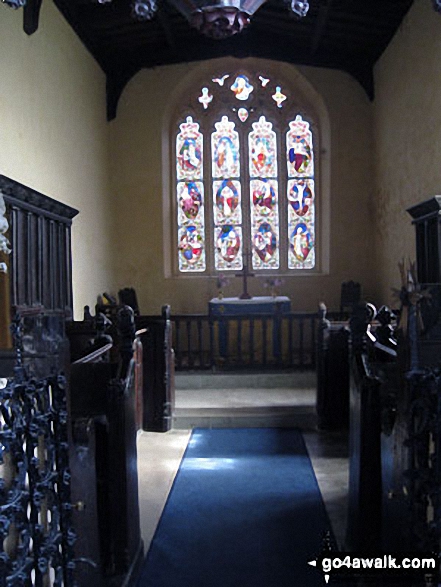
(245, 273)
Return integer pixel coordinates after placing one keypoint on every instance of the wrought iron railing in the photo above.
(36, 532)
(263, 341)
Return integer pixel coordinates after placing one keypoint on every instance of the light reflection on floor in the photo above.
(203, 463)
(195, 439)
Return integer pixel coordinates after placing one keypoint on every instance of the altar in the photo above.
(245, 326)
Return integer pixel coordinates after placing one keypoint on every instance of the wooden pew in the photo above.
(356, 366)
(378, 505)
(332, 403)
(365, 488)
(104, 468)
(158, 367)
(158, 371)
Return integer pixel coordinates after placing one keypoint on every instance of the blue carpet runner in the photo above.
(245, 510)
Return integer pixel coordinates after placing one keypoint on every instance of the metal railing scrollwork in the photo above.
(36, 534)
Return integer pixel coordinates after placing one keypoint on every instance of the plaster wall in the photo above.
(407, 127)
(53, 133)
(142, 191)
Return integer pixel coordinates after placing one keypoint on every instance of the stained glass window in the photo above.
(205, 98)
(227, 202)
(279, 97)
(243, 114)
(300, 195)
(242, 87)
(190, 197)
(264, 208)
(261, 196)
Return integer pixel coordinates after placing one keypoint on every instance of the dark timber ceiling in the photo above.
(349, 35)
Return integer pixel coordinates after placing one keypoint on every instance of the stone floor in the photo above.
(257, 400)
(159, 456)
(245, 400)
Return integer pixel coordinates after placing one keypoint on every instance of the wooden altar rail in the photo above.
(283, 341)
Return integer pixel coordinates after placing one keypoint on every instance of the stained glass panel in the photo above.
(228, 247)
(264, 198)
(301, 245)
(205, 98)
(190, 202)
(227, 201)
(191, 240)
(225, 150)
(242, 87)
(265, 247)
(220, 80)
(300, 158)
(264, 223)
(227, 204)
(189, 151)
(300, 195)
(262, 149)
(278, 97)
(243, 114)
(190, 198)
(264, 208)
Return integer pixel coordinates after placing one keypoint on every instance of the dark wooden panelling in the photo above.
(103, 410)
(41, 273)
(32, 255)
(365, 489)
(332, 376)
(158, 368)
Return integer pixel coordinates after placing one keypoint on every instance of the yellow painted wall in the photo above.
(382, 159)
(54, 134)
(407, 137)
(141, 191)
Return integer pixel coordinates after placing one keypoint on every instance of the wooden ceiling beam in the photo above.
(166, 27)
(352, 18)
(31, 16)
(320, 24)
(69, 10)
(337, 34)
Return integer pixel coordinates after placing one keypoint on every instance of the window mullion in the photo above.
(283, 204)
(245, 182)
(208, 187)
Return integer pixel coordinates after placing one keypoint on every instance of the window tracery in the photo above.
(245, 178)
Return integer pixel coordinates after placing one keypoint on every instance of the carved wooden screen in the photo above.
(40, 261)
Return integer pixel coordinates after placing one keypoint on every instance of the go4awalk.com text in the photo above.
(384, 565)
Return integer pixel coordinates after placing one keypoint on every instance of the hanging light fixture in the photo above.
(14, 3)
(217, 19)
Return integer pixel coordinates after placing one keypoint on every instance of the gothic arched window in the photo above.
(244, 160)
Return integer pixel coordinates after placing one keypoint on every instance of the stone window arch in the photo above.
(247, 176)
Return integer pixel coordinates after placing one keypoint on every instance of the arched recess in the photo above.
(308, 100)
